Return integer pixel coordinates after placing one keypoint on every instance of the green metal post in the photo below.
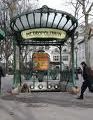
(20, 60)
(47, 77)
(76, 67)
(17, 66)
(14, 60)
(60, 61)
(76, 49)
(72, 51)
(76, 59)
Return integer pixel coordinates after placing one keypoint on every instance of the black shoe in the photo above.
(80, 98)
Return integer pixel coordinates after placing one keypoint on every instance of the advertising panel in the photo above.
(40, 61)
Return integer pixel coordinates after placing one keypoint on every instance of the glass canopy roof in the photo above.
(45, 18)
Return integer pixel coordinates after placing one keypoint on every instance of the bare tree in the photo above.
(9, 9)
(86, 11)
(76, 9)
(86, 7)
(6, 44)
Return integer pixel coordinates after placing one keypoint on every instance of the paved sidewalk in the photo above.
(45, 105)
(7, 83)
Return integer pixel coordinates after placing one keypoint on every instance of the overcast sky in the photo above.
(61, 5)
(56, 4)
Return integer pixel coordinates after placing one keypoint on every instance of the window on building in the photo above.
(56, 50)
(55, 58)
(65, 58)
(65, 50)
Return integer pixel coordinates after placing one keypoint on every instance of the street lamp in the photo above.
(76, 50)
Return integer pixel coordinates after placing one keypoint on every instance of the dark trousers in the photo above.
(86, 84)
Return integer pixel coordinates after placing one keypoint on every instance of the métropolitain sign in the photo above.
(43, 33)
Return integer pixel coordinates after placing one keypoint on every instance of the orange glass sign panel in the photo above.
(40, 61)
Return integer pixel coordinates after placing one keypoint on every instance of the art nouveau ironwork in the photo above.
(43, 23)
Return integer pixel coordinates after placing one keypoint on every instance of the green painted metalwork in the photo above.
(17, 79)
(2, 34)
(40, 18)
(14, 62)
(60, 48)
(28, 21)
(66, 75)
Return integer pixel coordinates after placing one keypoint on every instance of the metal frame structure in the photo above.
(2, 36)
(44, 18)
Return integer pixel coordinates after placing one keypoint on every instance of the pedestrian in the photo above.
(86, 77)
(1, 75)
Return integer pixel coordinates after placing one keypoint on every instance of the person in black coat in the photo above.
(86, 78)
(1, 75)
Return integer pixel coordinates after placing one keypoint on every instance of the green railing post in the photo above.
(60, 62)
(76, 50)
(14, 60)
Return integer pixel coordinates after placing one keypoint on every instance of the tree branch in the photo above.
(90, 14)
(80, 17)
(87, 3)
(90, 8)
(80, 2)
(73, 4)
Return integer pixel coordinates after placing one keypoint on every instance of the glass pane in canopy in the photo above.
(19, 24)
(71, 28)
(57, 19)
(15, 28)
(68, 25)
(37, 19)
(50, 19)
(44, 19)
(31, 20)
(62, 22)
(24, 21)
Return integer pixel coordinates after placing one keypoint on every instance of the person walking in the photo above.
(1, 75)
(86, 77)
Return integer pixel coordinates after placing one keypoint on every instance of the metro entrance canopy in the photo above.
(44, 25)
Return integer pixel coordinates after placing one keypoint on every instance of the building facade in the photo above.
(80, 44)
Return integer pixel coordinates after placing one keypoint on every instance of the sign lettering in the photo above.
(43, 33)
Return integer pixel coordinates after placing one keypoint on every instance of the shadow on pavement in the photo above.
(36, 100)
